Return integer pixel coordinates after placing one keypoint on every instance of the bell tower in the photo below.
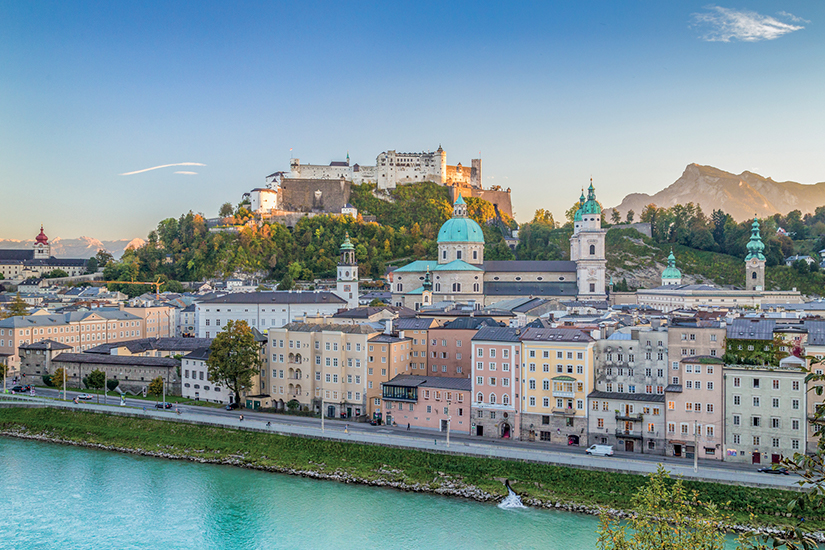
(42, 248)
(587, 248)
(755, 260)
(347, 281)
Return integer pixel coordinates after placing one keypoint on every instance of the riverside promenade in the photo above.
(399, 438)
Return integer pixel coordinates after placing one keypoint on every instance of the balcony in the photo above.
(629, 417)
(565, 412)
(630, 434)
(568, 394)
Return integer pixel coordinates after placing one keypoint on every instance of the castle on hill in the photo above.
(312, 189)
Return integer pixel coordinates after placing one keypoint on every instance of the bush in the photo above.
(47, 379)
(112, 385)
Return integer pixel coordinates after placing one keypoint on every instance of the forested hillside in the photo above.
(184, 249)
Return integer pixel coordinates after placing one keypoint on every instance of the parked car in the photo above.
(769, 470)
(163, 405)
(231, 406)
(600, 450)
(85, 397)
(17, 389)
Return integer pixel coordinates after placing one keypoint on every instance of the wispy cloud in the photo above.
(163, 166)
(792, 17)
(186, 173)
(720, 24)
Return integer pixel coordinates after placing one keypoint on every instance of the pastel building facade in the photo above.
(557, 376)
(496, 404)
(426, 402)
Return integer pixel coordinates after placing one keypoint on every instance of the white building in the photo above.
(262, 310)
(195, 382)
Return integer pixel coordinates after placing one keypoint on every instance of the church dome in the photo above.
(589, 206)
(460, 230)
(42, 238)
(671, 271)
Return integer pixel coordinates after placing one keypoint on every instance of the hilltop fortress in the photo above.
(319, 188)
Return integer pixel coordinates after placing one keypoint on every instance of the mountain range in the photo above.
(81, 247)
(741, 195)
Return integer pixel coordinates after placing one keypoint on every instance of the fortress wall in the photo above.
(299, 195)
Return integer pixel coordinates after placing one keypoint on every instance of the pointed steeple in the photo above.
(459, 207)
(428, 283)
(755, 245)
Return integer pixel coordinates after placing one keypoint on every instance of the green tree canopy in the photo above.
(155, 386)
(96, 379)
(234, 357)
(16, 308)
(55, 273)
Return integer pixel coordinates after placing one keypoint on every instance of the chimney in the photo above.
(388, 326)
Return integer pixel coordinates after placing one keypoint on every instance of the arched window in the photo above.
(506, 399)
(458, 254)
(456, 287)
(480, 397)
(532, 384)
(475, 287)
(443, 254)
(399, 287)
(492, 399)
(475, 254)
(753, 275)
(438, 287)
(592, 249)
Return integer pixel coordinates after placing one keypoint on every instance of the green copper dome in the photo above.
(755, 245)
(347, 245)
(589, 206)
(460, 228)
(671, 271)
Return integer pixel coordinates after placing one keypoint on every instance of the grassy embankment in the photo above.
(541, 481)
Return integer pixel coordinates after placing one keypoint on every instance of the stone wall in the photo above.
(302, 195)
(499, 199)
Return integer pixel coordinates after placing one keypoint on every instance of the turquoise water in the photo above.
(65, 497)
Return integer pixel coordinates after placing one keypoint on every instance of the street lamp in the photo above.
(449, 418)
(695, 446)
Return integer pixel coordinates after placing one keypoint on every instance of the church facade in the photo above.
(461, 274)
(38, 261)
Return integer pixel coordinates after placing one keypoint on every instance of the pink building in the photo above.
(449, 350)
(495, 379)
(695, 415)
(428, 402)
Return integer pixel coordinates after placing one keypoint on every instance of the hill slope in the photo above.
(739, 195)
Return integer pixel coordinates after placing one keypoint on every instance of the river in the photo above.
(67, 497)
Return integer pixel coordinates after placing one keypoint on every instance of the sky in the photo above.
(219, 95)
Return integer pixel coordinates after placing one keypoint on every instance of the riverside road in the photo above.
(721, 472)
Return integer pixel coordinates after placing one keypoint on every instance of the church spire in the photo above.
(755, 245)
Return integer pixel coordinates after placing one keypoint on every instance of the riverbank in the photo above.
(541, 485)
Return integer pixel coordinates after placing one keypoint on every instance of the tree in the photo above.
(91, 265)
(226, 210)
(234, 357)
(55, 274)
(377, 302)
(59, 376)
(615, 216)
(112, 384)
(630, 215)
(545, 217)
(155, 386)
(16, 308)
(667, 516)
(293, 405)
(103, 258)
(286, 283)
(95, 380)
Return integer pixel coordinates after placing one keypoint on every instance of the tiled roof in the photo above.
(45, 345)
(531, 288)
(277, 297)
(200, 354)
(555, 335)
(497, 334)
(125, 360)
(310, 327)
(655, 398)
(440, 382)
(470, 323)
(528, 266)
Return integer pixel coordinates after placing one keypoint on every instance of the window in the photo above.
(532, 401)
(755, 400)
(737, 399)
(795, 404)
(755, 382)
(736, 439)
(775, 402)
(737, 382)
(775, 384)
(736, 420)
(545, 402)
(794, 424)
(756, 421)
(775, 423)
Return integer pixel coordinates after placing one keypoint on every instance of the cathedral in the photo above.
(460, 274)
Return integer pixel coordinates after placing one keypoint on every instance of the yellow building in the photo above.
(388, 356)
(557, 374)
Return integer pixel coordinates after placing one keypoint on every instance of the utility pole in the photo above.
(322, 409)
(163, 385)
(65, 376)
(695, 446)
(449, 418)
(105, 387)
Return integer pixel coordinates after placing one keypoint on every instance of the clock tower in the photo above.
(347, 281)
